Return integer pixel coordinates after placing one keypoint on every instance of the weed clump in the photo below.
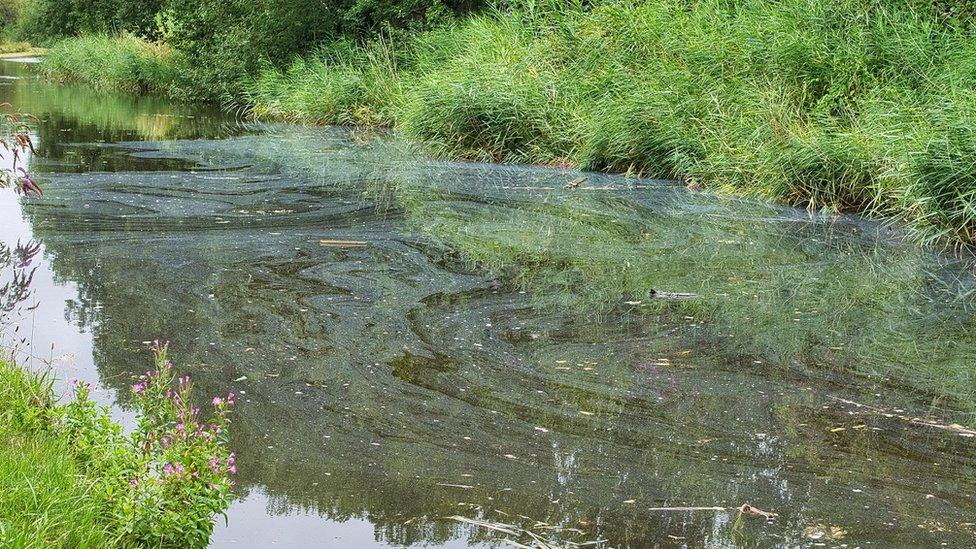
(162, 485)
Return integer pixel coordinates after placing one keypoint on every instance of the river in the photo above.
(420, 343)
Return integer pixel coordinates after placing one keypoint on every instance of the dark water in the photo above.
(492, 352)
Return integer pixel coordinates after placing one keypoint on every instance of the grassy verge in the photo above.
(45, 501)
(69, 476)
(15, 47)
(121, 62)
(840, 105)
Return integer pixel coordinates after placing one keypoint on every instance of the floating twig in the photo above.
(683, 509)
(658, 294)
(343, 243)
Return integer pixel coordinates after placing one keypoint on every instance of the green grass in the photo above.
(749, 97)
(15, 47)
(114, 62)
(341, 85)
(44, 500)
(70, 476)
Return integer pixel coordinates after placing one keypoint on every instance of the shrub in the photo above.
(42, 21)
(164, 484)
(227, 40)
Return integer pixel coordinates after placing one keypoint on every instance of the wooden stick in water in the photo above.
(343, 243)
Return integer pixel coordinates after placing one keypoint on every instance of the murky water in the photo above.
(489, 349)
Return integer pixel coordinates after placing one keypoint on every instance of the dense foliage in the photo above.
(44, 20)
(222, 41)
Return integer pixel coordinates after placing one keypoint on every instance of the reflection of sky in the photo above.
(255, 527)
(67, 347)
(70, 345)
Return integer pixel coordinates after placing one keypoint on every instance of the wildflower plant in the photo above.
(166, 482)
(15, 143)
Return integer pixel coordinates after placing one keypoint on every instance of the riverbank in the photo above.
(760, 99)
(70, 477)
(45, 500)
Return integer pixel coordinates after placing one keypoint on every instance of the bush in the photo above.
(166, 482)
(43, 21)
(228, 41)
(225, 40)
(9, 10)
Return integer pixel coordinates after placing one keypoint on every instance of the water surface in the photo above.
(492, 351)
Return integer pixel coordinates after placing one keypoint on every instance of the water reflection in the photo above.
(492, 352)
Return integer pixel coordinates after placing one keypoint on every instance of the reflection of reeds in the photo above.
(118, 116)
(817, 295)
(801, 294)
(516, 535)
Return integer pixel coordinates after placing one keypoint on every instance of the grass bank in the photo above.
(45, 500)
(123, 62)
(842, 105)
(7, 48)
(69, 476)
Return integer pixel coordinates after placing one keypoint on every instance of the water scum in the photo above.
(489, 348)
